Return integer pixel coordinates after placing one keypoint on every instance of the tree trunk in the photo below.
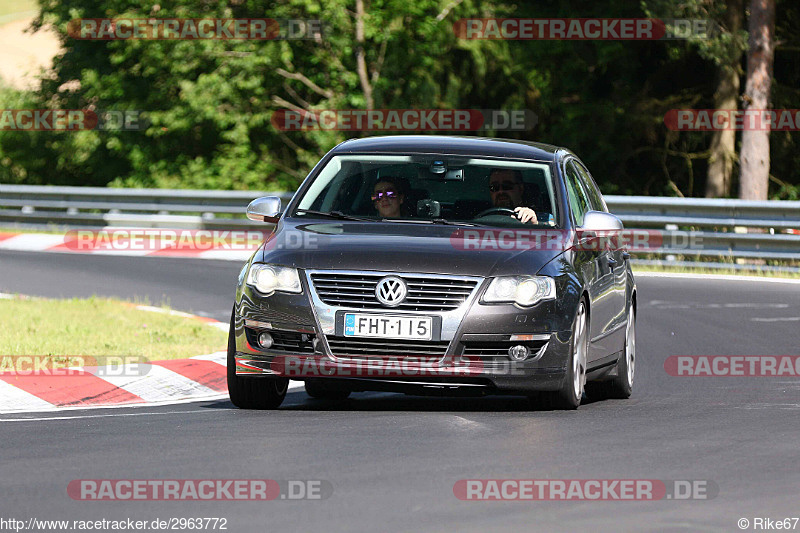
(361, 61)
(723, 142)
(754, 158)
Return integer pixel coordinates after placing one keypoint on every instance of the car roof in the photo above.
(454, 145)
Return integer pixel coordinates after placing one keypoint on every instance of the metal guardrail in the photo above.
(654, 211)
(719, 229)
(39, 206)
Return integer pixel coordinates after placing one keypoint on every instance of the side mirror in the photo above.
(601, 221)
(266, 209)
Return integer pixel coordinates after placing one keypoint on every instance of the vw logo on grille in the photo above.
(391, 291)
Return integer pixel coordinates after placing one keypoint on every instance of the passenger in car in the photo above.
(388, 197)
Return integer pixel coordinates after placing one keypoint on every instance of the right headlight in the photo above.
(521, 290)
(267, 279)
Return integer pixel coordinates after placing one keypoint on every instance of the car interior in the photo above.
(459, 194)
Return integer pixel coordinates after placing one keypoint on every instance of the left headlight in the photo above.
(267, 279)
(522, 290)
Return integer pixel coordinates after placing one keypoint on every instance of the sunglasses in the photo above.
(502, 186)
(388, 194)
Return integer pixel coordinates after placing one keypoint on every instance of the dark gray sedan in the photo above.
(437, 265)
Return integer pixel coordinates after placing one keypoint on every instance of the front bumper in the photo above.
(472, 346)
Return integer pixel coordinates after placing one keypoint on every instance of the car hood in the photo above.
(404, 247)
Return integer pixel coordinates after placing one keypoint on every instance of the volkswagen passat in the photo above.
(436, 265)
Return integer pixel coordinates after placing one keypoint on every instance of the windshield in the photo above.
(433, 188)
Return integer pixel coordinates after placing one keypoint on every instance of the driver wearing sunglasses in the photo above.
(507, 188)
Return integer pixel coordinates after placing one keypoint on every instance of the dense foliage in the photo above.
(210, 102)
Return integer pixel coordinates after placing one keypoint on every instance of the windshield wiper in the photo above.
(427, 221)
(333, 214)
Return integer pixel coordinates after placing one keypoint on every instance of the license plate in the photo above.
(388, 326)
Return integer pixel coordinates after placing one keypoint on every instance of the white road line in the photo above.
(721, 277)
(16, 399)
(53, 408)
(756, 306)
(660, 304)
(769, 406)
(778, 319)
(170, 312)
(37, 419)
(154, 383)
(293, 386)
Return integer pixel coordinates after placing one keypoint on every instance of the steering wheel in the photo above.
(497, 210)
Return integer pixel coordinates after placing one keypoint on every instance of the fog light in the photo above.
(518, 352)
(265, 340)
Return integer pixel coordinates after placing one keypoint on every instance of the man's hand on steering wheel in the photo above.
(526, 214)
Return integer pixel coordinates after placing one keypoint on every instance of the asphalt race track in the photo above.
(393, 460)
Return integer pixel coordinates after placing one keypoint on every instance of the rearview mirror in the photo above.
(265, 209)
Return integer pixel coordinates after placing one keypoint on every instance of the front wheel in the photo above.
(571, 392)
(621, 386)
(252, 392)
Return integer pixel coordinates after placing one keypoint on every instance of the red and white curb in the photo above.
(168, 382)
(39, 242)
(155, 383)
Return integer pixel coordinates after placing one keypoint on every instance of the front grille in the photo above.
(361, 348)
(424, 293)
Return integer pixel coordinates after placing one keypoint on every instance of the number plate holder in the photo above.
(435, 326)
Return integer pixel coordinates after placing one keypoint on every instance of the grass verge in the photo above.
(11, 10)
(101, 326)
(50, 230)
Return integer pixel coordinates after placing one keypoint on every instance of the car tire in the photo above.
(318, 388)
(569, 396)
(621, 386)
(252, 392)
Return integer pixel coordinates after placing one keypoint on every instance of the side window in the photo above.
(578, 202)
(595, 198)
